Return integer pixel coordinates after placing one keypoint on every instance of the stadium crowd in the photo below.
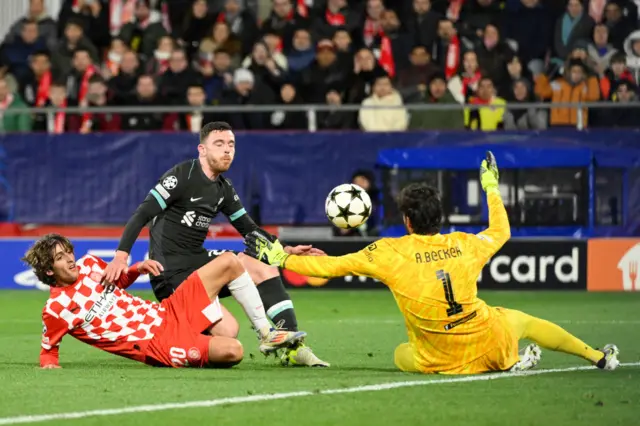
(494, 53)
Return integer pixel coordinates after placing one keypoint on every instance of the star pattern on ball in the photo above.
(344, 213)
(334, 194)
(355, 193)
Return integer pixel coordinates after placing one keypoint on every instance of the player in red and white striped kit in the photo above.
(105, 316)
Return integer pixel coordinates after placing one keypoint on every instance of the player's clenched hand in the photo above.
(489, 174)
(116, 267)
(150, 266)
(265, 247)
(50, 366)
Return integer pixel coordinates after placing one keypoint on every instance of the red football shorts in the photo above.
(189, 312)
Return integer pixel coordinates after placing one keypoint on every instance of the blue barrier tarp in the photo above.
(77, 179)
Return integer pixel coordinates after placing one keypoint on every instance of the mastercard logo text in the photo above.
(298, 280)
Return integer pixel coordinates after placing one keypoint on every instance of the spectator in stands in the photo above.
(159, 63)
(60, 121)
(574, 86)
(325, 72)
(78, 79)
(422, 23)
(600, 50)
(390, 119)
(520, 118)
(289, 120)
(621, 18)
(72, 40)
(93, 15)
(529, 23)
(34, 87)
(335, 119)
(343, 45)
(194, 121)
(572, 26)
(464, 85)
(17, 52)
(98, 97)
(372, 27)
(124, 84)
(336, 14)
(274, 44)
(515, 72)
(47, 28)
(242, 23)
(247, 91)
(222, 38)
(490, 114)
(412, 81)
(393, 45)
(265, 70)
(446, 50)
(632, 49)
(301, 54)
(196, 26)
(437, 119)
(617, 73)
(146, 95)
(283, 21)
(12, 122)
(629, 116)
(175, 81)
(366, 69)
(476, 15)
(217, 78)
(142, 33)
(111, 65)
(493, 55)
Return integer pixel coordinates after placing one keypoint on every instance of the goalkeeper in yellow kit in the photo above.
(433, 278)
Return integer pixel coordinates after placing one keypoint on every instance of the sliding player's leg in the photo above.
(227, 327)
(404, 358)
(245, 292)
(279, 308)
(551, 336)
(224, 352)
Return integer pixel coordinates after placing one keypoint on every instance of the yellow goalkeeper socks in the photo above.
(551, 336)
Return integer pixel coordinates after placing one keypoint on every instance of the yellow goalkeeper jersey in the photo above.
(434, 282)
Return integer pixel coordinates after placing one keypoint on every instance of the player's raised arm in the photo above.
(493, 238)
(53, 330)
(168, 190)
(368, 261)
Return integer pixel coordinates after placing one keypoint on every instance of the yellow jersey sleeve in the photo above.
(370, 261)
(489, 241)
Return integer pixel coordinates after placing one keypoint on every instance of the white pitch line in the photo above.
(276, 396)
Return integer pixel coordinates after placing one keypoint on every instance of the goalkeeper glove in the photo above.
(265, 247)
(489, 174)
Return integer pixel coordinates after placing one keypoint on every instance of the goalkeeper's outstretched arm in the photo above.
(499, 231)
(362, 262)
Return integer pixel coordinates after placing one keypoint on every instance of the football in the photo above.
(348, 206)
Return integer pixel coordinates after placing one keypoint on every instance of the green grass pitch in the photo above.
(355, 331)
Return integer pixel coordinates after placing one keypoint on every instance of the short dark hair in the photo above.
(40, 255)
(96, 78)
(421, 204)
(82, 49)
(29, 22)
(214, 126)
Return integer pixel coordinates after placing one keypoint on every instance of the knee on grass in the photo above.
(225, 352)
(258, 271)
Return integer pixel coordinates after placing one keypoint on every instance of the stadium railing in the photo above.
(313, 109)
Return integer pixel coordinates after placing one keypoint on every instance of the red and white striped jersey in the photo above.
(101, 315)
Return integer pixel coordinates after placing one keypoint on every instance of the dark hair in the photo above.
(75, 21)
(618, 57)
(29, 22)
(40, 255)
(214, 126)
(486, 78)
(82, 49)
(40, 53)
(420, 203)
